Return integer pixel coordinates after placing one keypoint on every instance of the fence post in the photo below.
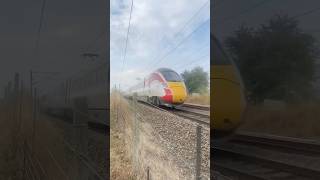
(34, 117)
(135, 136)
(198, 153)
(20, 107)
(148, 173)
(15, 97)
(118, 103)
(24, 159)
(80, 128)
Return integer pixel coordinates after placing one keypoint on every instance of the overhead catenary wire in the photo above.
(179, 44)
(39, 29)
(181, 30)
(126, 44)
(195, 61)
(192, 17)
(306, 13)
(181, 63)
(185, 25)
(37, 42)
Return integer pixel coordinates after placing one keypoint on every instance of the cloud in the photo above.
(153, 31)
(127, 78)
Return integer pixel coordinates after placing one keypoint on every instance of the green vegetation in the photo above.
(196, 80)
(276, 59)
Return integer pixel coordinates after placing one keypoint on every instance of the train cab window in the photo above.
(171, 76)
(218, 56)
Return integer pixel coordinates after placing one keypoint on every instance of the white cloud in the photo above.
(154, 25)
(127, 78)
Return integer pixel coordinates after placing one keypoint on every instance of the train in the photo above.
(163, 87)
(166, 87)
(228, 100)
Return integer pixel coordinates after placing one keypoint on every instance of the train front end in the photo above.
(174, 87)
(228, 99)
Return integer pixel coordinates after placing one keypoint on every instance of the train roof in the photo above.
(164, 69)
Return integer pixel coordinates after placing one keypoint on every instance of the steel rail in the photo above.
(196, 106)
(172, 111)
(247, 149)
(281, 143)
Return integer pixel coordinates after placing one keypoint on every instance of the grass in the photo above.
(150, 153)
(10, 143)
(295, 120)
(121, 167)
(203, 99)
(49, 149)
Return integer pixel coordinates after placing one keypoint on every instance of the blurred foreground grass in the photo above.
(10, 139)
(295, 120)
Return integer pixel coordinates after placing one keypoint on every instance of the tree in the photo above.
(276, 59)
(196, 80)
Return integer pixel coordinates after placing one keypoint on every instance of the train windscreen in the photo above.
(171, 76)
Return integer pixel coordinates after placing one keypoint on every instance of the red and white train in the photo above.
(162, 87)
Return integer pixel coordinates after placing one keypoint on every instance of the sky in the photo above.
(230, 14)
(69, 28)
(163, 33)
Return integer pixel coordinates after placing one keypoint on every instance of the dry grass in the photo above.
(49, 149)
(152, 155)
(125, 164)
(121, 167)
(8, 161)
(203, 99)
(10, 143)
(302, 120)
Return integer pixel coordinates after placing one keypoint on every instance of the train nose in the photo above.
(178, 91)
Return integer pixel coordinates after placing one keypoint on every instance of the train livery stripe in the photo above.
(168, 96)
(155, 76)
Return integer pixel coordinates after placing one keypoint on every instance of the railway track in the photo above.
(94, 124)
(192, 112)
(197, 106)
(266, 157)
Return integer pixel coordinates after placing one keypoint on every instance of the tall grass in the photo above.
(47, 146)
(10, 142)
(121, 167)
(149, 153)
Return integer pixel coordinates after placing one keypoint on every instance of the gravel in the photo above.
(178, 136)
